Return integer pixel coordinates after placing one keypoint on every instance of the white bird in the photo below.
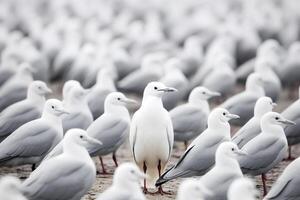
(292, 132)
(15, 89)
(243, 103)
(111, 128)
(126, 184)
(33, 140)
(104, 85)
(79, 115)
(151, 133)
(225, 171)
(190, 119)
(175, 78)
(200, 155)
(267, 149)
(10, 188)
(286, 186)
(66, 176)
(24, 111)
(252, 128)
(243, 188)
(192, 189)
(272, 85)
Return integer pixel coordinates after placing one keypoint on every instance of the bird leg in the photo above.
(186, 143)
(115, 159)
(145, 184)
(290, 157)
(160, 189)
(102, 165)
(264, 179)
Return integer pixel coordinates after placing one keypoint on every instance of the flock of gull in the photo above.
(148, 76)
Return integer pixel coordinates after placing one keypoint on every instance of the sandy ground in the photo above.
(123, 155)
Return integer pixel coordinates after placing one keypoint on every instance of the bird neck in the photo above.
(120, 111)
(76, 103)
(200, 103)
(260, 111)
(152, 102)
(219, 125)
(106, 82)
(255, 88)
(52, 118)
(75, 150)
(36, 98)
(224, 161)
(129, 185)
(272, 129)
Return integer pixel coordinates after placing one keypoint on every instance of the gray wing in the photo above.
(292, 112)
(286, 187)
(32, 139)
(245, 69)
(57, 150)
(262, 151)
(10, 96)
(187, 119)
(16, 115)
(96, 102)
(110, 130)
(75, 120)
(250, 130)
(56, 179)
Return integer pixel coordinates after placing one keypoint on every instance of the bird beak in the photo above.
(233, 116)
(48, 91)
(92, 140)
(214, 94)
(129, 101)
(241, 153)
(274, 105)
(167, 89)
(63, 111)
(287, 122)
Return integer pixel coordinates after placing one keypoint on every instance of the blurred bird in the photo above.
(243, 188)
(10, 188)
(192, 189)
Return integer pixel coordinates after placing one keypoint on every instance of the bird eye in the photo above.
(277, 118)
(52, 107)
(155, 88)
(232, 149)
(203, 92)
(224, 113)
(81, 136)
(132, 171)
(119, 99)
(40, 87)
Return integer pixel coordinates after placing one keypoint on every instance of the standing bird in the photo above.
(267, 149)
(200, 155)
(243, 188)
(151, 133)
(243, 103)
(190, 119)
(75, 102)
(24, 111)
(192, 189)
(225, 171)
(287, 185)
(126, 184)
(252, 128)
(10, 188)
(68, 176)
(292, 132)
(33, 140)
(104, 85)
(111, 128)
(15, 89)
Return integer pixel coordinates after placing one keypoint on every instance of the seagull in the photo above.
(24, 111)
(79, 115)
(174, 77)
(292, 132)
(286, 186)
(111, 128)
(192, 189)
(33, 140)
(151, 133)
(200, 155)
(225, 171)
(243, 188)
(126, 184)
(267, 149)
(190, 119)
(66, 176)
(10, 188)
(104, 85)
(15, 89)
(252, 128)
(243, 103)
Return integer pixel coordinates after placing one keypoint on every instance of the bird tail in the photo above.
(171, 174)
(163, 178)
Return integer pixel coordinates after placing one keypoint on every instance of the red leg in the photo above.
(186, 143)
(264, 179)
(115, 159)
(160, 189)
(102, 165)
(145, 183)
(290, 157)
